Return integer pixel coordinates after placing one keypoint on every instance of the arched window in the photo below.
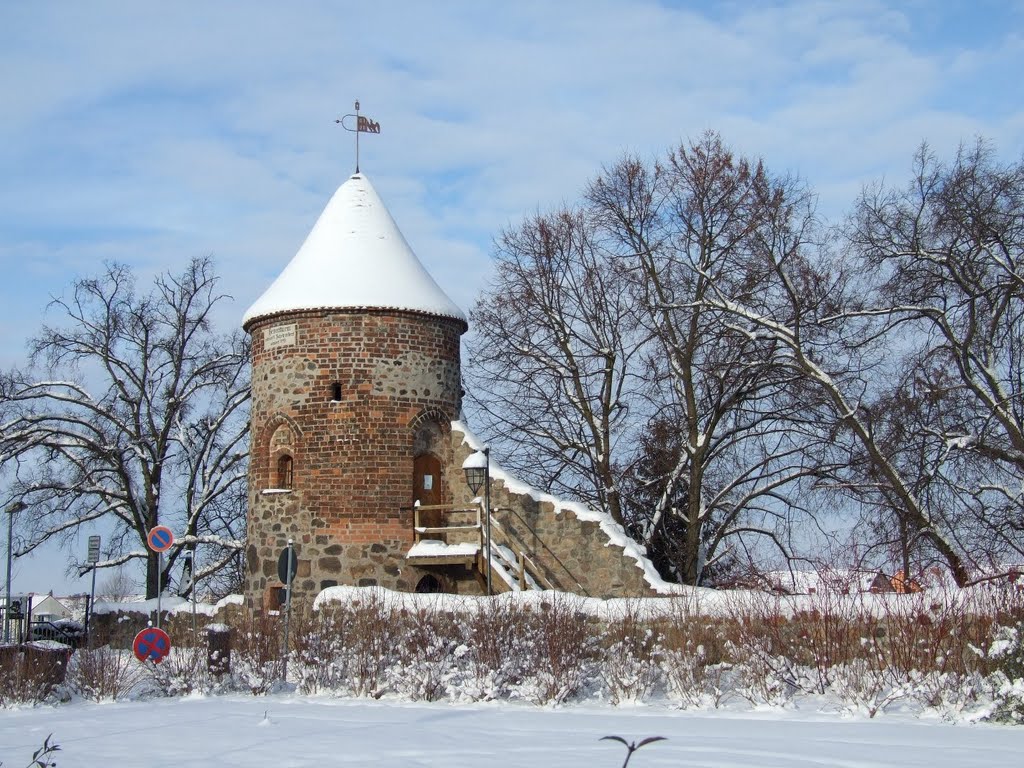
(285, 468)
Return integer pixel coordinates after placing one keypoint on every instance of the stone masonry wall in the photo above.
(343, 395)
(575, 555)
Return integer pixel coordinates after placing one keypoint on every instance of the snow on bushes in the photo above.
(958, 656)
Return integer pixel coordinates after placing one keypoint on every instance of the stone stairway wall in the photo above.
(589, 557)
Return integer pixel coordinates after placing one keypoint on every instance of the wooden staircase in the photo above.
(461, 539)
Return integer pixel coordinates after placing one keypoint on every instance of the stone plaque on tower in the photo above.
(279, 336)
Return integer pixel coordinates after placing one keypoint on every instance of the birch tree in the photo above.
(133, 413)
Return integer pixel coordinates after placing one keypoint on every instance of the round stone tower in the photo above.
(355, 382)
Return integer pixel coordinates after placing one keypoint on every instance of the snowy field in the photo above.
(291, 732)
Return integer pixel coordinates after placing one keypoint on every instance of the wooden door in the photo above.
(426, 489)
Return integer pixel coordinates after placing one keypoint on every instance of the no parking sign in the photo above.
(151, 644)
(160, 538)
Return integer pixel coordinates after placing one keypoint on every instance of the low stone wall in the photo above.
(117, 625)
(574, 555)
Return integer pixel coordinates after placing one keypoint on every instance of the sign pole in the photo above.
(159, 586)
(92, 601)
(487, 506)
(12, 510)
(7, 604)
(357, 136)
(160, 538)
(288, 605)
(92, 558)
(190, 561)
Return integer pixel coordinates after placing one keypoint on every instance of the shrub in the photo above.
(1007, 681)
(27, 677)
(630, 656)
(558, 651)
(100, 674)
(427, 659)
(320, 641)
(257, 663)
(497, 649)
(183, 671)
(693, 660)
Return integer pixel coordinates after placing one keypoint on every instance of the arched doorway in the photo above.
(429, 585)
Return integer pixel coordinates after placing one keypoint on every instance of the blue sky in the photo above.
(151, 133)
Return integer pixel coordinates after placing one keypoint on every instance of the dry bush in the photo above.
(694, 660)
(760, 646)
(1006, 683)
(26, 679)
(862, 685)
(559, 653)
(823, 638)
(373, 638)
(426, 660)
(103, 673)
(183, 671)
(498, 648)
(347, 647)
(631, 652)
(257, 663)
(319, 640)
(928, 644)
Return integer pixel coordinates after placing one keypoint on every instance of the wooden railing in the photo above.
(524, 565)
(554, 557)
(526, 571)
(419, 529)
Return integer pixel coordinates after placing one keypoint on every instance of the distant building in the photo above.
(49, 608)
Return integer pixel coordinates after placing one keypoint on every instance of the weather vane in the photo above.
(363, 125)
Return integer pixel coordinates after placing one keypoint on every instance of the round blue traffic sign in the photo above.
(151, 644)
(160, 538)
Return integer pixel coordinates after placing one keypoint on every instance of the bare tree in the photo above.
(555, 358)
(946, 255)
(117, 587)
(685, 227)
(134, 414)
(597, 335)
(911, 338)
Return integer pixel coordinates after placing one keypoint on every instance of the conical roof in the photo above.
(355, 257)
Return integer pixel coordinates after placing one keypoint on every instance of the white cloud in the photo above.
(153, 133)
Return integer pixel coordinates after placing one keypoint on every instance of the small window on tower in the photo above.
(284, 472)
(336, 392)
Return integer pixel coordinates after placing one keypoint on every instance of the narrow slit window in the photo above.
(336, 392)
(285, 468)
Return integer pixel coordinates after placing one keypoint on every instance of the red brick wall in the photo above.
(349, 510)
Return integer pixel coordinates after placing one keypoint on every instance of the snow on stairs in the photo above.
(445, 534)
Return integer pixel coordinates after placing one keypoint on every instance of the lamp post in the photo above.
(12, 510)
(477, 467)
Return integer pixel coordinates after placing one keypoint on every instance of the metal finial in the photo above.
(362, 125)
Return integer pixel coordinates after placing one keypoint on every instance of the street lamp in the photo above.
(12, 510)
(477, 467)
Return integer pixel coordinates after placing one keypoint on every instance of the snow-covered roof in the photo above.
(355, 257)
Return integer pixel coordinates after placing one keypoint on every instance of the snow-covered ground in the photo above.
(290, 732)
